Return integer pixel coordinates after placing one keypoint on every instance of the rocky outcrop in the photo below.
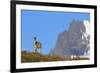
(74, 41)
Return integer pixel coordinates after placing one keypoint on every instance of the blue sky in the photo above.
(45, 25)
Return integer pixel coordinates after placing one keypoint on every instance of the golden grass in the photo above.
(36, 57)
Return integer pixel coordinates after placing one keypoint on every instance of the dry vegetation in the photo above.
(36, 57)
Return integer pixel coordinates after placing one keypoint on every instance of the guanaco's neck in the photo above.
(34, 40)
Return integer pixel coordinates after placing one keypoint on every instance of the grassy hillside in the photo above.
(36, 57)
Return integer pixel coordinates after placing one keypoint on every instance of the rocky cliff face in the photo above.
(74, 41)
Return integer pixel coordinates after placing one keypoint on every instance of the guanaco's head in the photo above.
(34, 38)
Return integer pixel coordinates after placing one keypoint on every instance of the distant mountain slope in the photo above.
(75, 41)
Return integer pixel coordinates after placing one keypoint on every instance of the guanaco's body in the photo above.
(37, 45)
